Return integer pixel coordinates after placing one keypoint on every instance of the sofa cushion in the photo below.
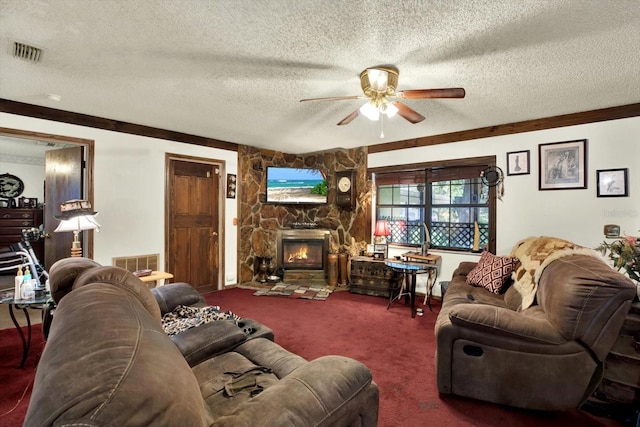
(492, 272)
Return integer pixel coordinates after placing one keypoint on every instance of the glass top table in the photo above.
(410, 270)
(38, 303)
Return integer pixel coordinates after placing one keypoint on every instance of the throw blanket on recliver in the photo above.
(184, 317)
(535, 253)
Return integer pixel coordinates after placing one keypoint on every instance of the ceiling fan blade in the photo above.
(453, 92)
(350, 117)
(408, 113)
(334, 98)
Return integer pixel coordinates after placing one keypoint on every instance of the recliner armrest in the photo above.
(499, 320)
(174, 294)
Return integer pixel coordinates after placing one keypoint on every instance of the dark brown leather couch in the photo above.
(547, 357)
(107, 361)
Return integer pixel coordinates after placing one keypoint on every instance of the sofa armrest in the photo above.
(505, 322)
(325, 391)
(174, 294)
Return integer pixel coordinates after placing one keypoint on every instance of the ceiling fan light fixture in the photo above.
(370, 111)
(388, 109)
(378, 79)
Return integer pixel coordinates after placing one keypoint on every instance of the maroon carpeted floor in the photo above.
(399, 351)
(16, 383)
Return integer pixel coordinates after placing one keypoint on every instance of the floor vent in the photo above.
(26, 52)
(138, 262)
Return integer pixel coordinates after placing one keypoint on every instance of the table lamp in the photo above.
(380, 237)
(382, 231)
(76, 216)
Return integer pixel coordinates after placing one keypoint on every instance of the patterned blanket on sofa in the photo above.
(185, 317)
(535, 253)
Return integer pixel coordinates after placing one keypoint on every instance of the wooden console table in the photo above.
(429, 259)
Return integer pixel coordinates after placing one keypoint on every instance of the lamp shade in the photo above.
(382, 228)
(78, 223)
(370, 111)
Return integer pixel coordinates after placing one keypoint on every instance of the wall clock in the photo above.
(10, 186)
(346, 189)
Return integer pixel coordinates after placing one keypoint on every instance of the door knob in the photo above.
(215, 233)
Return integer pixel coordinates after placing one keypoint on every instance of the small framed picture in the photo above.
(563, 165)
(518, 163)
(28, 202)
(612, 183)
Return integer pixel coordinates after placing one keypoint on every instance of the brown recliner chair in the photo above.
(547, 357)
(108, 362)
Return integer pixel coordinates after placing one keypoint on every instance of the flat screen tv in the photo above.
(288, 185)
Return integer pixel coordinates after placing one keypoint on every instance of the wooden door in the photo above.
(193, 241)
(63, 181)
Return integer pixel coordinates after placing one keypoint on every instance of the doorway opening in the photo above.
(66, 175)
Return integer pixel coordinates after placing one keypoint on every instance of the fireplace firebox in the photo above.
(302, 249)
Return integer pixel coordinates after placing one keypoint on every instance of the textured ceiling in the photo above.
(235, 70)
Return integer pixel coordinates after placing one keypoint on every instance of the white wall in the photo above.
(575, 215)
(129, 182)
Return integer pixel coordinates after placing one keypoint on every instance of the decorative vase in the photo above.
(271, 268)
(262, 270)
(343, 260)
(332, 269)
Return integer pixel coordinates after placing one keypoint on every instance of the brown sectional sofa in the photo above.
(548, 356)
(108, 361)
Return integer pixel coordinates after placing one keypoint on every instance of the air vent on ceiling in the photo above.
(27, 52)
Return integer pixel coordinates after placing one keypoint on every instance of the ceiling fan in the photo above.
(379, 84)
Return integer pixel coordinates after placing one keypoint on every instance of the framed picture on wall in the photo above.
(518, 163)
(563, 165)
(612, 183)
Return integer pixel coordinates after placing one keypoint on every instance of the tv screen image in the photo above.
(296, 185)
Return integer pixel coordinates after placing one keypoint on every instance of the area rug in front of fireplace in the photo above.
(294, 291)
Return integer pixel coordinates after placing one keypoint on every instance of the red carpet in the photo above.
(399, 351)
(15, 381)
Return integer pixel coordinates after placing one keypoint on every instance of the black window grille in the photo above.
(455, 211)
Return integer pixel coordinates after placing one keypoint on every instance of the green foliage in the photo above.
(625, 254)
(320, 188)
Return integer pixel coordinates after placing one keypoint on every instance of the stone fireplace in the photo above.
(260, 221)
(302, 253)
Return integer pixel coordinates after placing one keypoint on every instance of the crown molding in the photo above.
(593, 116)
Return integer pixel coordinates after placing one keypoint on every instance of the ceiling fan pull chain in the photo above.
(381, 126)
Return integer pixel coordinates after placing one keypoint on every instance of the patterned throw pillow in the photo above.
(492, 272)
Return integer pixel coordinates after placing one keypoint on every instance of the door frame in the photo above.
(221, 165)
(88, 144)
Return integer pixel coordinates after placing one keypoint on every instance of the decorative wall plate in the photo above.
(10, 186)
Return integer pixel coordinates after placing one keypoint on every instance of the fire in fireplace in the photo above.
(302, 249)
(307, 255)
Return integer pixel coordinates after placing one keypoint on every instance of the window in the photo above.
(451, 201)
(456, 207)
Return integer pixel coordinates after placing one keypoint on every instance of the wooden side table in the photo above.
(430, 259)
(618, 395)
(155, 277)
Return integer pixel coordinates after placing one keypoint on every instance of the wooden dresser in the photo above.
(13, 221)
